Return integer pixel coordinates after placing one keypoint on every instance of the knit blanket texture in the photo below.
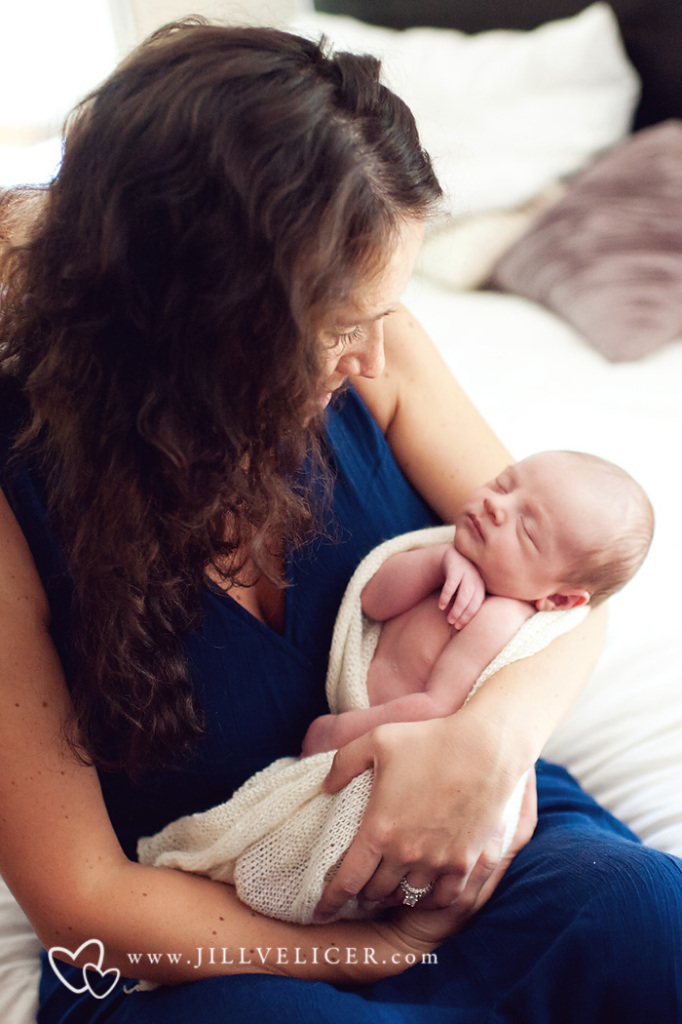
(279, 839)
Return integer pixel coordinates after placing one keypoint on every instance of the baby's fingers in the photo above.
(468, 601)
(448, 591)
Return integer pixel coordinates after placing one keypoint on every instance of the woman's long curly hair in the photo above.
(217, 192)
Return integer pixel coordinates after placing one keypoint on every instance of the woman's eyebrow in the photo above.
(360, 320)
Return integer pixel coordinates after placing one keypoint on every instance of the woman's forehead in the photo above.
(379, 293)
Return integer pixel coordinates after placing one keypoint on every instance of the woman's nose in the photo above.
(365, 358)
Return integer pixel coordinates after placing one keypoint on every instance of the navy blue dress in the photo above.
(585, 927)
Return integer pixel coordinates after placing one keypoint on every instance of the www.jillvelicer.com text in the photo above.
(280, 955)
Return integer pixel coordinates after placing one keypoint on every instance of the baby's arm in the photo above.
(408, 577)
(452, 676)
(470, 651)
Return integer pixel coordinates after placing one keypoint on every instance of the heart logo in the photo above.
(90, 966)
(102, 990)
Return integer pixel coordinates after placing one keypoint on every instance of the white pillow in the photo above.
(461, 252)
(505, 113)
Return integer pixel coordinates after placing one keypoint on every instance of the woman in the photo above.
(185, 499)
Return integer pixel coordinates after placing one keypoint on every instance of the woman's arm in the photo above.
(439, 439)
(61, 858)
(432, 813)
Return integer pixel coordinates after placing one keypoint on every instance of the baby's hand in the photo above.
(320, 736)
(462, 577)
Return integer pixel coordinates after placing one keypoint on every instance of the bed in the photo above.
(552, 285)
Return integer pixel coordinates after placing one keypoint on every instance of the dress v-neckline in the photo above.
(283, 639)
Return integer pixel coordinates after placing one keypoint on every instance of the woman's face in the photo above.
(353, 333)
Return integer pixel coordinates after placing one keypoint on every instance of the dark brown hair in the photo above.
(216, 192)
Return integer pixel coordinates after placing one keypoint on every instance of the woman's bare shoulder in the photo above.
(438, 437)
(20, 583)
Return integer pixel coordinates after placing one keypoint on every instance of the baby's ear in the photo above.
(562, 601)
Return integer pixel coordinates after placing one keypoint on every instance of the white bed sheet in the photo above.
(541, 386)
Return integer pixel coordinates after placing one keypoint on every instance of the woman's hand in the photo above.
(426, 924)
(439, 790)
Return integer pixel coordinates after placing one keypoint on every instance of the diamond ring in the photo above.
(412, 894)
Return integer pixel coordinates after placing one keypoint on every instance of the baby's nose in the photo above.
(493, 510)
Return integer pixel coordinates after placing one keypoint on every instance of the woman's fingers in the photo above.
(429, 819)
(482, 881)
(385, 885)
(450, 889)
(362, 858)
(491, 866)
(406, 829)
(433, 921)
(358, 865)
(351, 760)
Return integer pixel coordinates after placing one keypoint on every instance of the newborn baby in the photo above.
(554, 531)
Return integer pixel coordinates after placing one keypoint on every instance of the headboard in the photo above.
(651, 30)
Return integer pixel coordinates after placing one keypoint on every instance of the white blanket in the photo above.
(279, 839)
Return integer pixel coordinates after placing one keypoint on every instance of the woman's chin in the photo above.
(316, 406)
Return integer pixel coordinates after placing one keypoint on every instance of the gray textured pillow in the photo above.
(608, 256)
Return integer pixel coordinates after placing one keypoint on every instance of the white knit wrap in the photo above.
(279, 839)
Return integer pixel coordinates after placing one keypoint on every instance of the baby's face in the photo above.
(524, 529)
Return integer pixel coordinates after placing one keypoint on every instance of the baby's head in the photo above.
(557, 529)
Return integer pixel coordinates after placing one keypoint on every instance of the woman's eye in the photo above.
(348, 336)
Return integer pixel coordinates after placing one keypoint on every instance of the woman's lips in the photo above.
(328, 395)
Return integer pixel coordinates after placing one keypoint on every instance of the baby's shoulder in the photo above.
(508, 612)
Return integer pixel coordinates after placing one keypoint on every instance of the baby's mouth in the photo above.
(473, 519)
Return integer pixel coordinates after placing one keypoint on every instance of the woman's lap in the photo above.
(586, 926)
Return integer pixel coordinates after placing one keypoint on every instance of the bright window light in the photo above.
(51, 53)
